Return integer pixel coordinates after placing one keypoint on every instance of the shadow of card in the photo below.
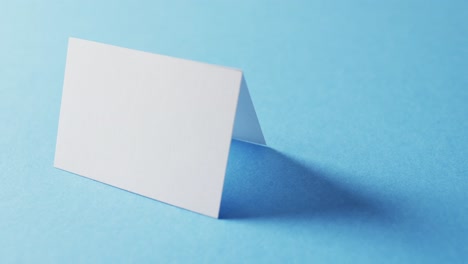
(264, 183)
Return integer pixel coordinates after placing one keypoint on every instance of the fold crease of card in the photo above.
(152, 124)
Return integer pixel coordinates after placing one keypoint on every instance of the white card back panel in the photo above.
(246, 125)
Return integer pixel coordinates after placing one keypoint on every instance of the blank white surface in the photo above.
(246, 125)
(150, 124)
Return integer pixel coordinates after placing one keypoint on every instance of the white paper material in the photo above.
(246, 126)
(151, 124)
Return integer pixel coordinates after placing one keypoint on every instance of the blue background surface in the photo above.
(364, 105)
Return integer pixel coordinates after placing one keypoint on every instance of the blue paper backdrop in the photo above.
(364, 105)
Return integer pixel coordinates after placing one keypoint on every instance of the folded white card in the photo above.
(151, 124)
